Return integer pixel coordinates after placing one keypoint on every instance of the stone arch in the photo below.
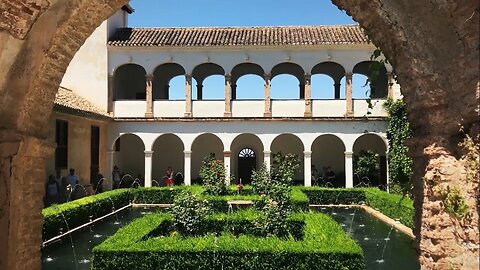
(203, 71)
(202, 146)
(167, 151)
(378, 89)
(129, 82)
(129, 154)
(241, 141)
(290, 143)
(161, 79)
(375, 143)
(291, 69)
(329, 150)
(331, 69)
(241, 70)
(440, 92)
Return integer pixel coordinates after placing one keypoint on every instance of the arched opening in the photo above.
(290, 144)
(247, 163)
(322, 87)
(129, 157)
(247, 81)
(129, 83)
(284, 86)
(249, 87)
(167, 152)
(213, 88)
(328, 151)
(176, 89)
(375, 89)
(370, 161)
(162, 75)
(216, 83)
(202, 146)
(243, 163)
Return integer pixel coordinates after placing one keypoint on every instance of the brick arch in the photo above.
(432, 46)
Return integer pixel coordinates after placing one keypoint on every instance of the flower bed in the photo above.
(139, 245)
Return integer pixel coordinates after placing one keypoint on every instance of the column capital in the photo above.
(110, 76)
(307, 153)
(148, 153)
(187, 152)
(228, 77)
(348, 154)
(110, 152)
(267, 76)
(188, 78)
(267, 153)
(227, 153)
(349, 74)
(149, 77)
(308, 78)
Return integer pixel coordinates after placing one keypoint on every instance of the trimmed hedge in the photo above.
(392, 205)
(80, 211)
(324, 246)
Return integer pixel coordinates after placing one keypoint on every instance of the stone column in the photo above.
(348, 94)
(228, 92)
(199, 91)
(149, 96)
(308, 95)
(187, 167)
(268, 105)
(267, 158)
(348, 169)
(390, 92)
(307, 168)
(110, 164)
(148, 168)
(110, 94)
(22, 187)
(226, 162)
(188, 95)
(337, 90)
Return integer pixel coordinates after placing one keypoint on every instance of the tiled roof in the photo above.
(239, 36)
(70, 102)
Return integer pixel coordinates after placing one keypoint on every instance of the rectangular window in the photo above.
(61, 138)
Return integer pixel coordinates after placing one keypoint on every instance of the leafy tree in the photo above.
(189, 213)
(366, 165)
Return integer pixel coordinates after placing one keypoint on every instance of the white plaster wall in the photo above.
(87, 73)
(130, 108)
(288, 108)
(208, 108)
(360, 108)
(248, 108)
(329, 108)
(169, 108)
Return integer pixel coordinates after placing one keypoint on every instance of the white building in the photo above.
(127, 73)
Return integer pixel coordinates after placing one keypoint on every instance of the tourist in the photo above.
(52, 191)
(72, 182)
(168, 176)
(116, 176)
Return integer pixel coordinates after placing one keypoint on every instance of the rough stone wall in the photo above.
(433, 47)
(432, 44)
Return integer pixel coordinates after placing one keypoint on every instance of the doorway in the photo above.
(247, 162)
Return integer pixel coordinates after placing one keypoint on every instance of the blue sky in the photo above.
(176, 13)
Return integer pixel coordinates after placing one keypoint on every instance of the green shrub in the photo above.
(324, 246)
(189, 213)
(213, 175)
(395, 206)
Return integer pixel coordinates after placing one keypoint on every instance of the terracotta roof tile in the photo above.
(239, 36)
(68, 101)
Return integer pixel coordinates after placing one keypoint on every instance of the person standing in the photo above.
(52, 191)
(72, 181)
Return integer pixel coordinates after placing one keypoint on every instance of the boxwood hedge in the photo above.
(324, 246)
